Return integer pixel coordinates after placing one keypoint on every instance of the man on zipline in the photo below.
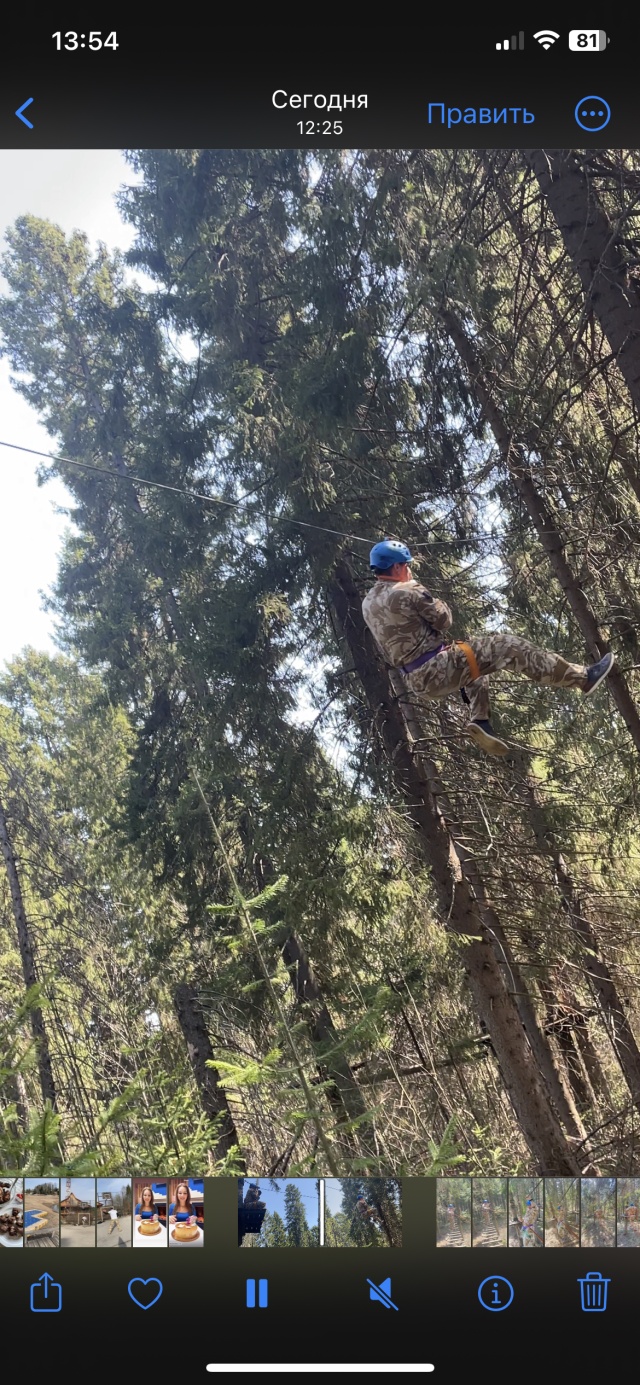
(408, 624)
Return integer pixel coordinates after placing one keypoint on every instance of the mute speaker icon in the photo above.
(381, 1293)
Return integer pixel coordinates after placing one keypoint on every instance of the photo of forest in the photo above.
(526, 1213)
(453, 1213)
(598, 1212)
(283, 1213)
(562, 1212)
(362, 1212)
(263, 906)
(628, 1213)
(490, 1212)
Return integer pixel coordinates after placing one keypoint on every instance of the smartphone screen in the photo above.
(319, 698)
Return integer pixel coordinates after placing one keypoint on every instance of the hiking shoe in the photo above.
(597, 672)
(483, 735)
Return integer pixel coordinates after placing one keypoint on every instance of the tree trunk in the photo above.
(387, 1217)
(513, 458)
(22, 1100)
(540, 1047)
(563, 1034)
(599, 386)
(29, 971)
(592, 1064)
(344, 1094)
(417, 780)
(213, 1098)
(597, 254)
(600, 978)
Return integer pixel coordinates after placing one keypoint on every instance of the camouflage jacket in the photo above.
(405, 619)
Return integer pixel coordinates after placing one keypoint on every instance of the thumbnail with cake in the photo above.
(150, 1212)
(186, 1212)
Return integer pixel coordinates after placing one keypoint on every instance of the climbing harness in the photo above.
(431, 654)
(422, 659)
(470, 658)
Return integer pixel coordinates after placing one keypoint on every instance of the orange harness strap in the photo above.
(470, 658)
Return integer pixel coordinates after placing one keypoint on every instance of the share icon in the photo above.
(382, 1293)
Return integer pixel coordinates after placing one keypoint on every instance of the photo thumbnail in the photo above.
(562, 1212)
(114, 1204)
(526, 1213)
(597, 1212)
(41, 1213)
(628, 1213)
(78, 1213)
(186, 1212)
(489, 1212)
(453, 1213)
(363, 1212)
(11, 1212)
(278, 1213)
(150, 1212)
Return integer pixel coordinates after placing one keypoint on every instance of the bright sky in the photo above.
(76, 189)
(82, 1188)
(333, 1195)
(275, 1201)
(112, 1185)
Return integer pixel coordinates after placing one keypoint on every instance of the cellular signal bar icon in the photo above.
(516, 41)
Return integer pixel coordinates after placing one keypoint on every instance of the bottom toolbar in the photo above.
(272, 1277)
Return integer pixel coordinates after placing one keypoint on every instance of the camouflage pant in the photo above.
(449, 670)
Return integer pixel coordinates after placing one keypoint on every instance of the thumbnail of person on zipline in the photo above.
(631, 1217)
(365, 1210)
(252, 1198)
(528, 1231)
(408, 624)
(531, 1214)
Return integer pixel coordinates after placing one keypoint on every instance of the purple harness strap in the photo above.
(422, 659)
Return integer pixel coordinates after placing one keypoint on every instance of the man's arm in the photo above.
(433, 612)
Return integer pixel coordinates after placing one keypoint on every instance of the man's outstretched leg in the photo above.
(466, 666)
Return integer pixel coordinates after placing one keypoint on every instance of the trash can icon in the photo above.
(593, 1292)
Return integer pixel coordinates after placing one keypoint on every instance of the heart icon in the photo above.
(144, 1292)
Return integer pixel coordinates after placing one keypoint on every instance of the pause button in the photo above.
(257, 1293)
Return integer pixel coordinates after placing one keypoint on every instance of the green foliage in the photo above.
(286, 886)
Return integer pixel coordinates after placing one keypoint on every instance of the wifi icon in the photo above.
(546, 37)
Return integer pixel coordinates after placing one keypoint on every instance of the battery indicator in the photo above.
(588, 40)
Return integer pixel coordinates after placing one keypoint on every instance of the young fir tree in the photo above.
(295, 1217)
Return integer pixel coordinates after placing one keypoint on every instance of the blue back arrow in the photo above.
(20, 112)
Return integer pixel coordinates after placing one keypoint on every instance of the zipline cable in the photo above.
(233, 504)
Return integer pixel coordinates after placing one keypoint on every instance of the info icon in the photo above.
(496, 1293)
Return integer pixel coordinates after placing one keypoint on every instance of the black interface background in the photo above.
(319, 1305)
(199, 87)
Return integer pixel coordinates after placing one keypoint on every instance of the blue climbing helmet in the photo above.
(383, 555)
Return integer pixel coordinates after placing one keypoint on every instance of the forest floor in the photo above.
(553, 1239)
(628, 1237)
(593, 1237)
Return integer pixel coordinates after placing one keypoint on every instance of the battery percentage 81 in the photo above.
(588, 40)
